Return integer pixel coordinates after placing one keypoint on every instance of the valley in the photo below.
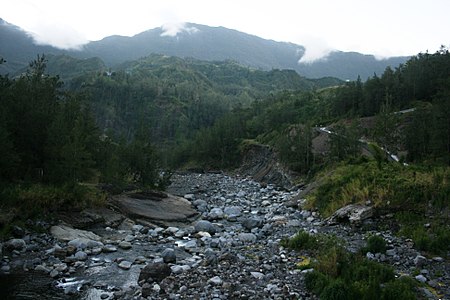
(146, 167)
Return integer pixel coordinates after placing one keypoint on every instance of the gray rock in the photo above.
(54, 273)
(154, 272)
(167, 209)
(391, 252)
(66, 233)
(210, 257)
(125, 245)
(81, 256)
(83, 243)
(216, 280)
(232, 211)
(294, 223)
(169, 255)
(199, 202)
(125, 265)
(189, 197)
(216, 213)
(354, 213)
(370, 255)
(257, 275)
(247, 237)
(15, 244)
(204, 225)
(253, 222)
(109, 249)
(421, 278)
(420, 261)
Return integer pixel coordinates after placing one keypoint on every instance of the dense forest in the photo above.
(285, 120)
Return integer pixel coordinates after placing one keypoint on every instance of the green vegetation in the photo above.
(410, 192)
(375, 244)
(51, 150)
(338, 274)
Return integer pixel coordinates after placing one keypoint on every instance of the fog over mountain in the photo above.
(201, 42)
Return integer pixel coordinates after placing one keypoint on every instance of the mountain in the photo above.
(200, 42)
(18, 48)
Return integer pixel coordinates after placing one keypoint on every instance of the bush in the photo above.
(301, 241)
(337, 290)
(316, 282)
(375, 244)
(400, 289)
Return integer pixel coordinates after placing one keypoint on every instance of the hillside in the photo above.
(200, 42)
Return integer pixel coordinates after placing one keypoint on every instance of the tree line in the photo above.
(49, 136)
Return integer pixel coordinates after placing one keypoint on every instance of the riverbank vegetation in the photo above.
(334, 273)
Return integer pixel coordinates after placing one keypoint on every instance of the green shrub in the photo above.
(316, 282)
(301, 241)
(400, 289)
(337, 290)
(375, 244)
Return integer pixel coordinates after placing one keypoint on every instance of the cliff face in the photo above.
(260, 162)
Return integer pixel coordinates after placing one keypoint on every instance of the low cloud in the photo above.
(173, 29)
(58, 35)
(315, 49)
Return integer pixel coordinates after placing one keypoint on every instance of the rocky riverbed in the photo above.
(229, 249)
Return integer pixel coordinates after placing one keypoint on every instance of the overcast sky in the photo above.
(380, 27)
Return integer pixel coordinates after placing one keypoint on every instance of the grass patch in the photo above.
(412, 193)
(339, 274)
(33, 200)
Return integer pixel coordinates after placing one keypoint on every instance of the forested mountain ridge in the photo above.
(177, 96)
(200, 42)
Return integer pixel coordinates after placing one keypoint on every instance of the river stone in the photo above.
(169, 208)
(125, 265)
(216, 280)
(81, 256)
(421, 278)
(200, 202)
(232, 211)
(247, 237)
(54, 273)
(257, 275)
(125, 245)
(253, 222)
(420, 261)
(83, 243)
(15, 244)
(204, 225)
(169, 255)
(215, 213)
(65, 233)
(154, 272)
(109, 249)
(354, 213)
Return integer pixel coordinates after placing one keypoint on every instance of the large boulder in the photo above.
(167, 208)
(154, 272)
(65, 233)
(15, 244)
(205, 226)
(353, 213)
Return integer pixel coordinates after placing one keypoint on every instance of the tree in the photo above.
(344, 141)
(72, 139)
(386, 126)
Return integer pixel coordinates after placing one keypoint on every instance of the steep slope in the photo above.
(201, 42)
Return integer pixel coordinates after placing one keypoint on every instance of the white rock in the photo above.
(216, 280)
